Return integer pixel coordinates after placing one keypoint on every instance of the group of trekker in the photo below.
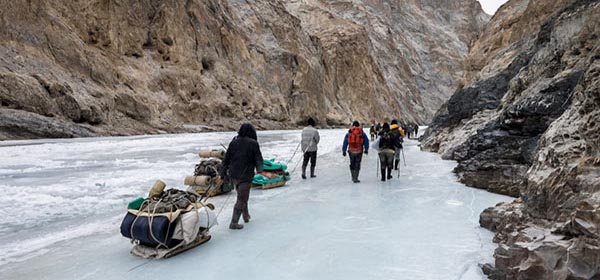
(410, 130)
(243, 156)
(388, 140)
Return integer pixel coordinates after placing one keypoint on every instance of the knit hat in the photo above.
(356, 123)
(311, 122)
(386, 127)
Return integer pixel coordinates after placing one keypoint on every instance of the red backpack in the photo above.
(355, 140)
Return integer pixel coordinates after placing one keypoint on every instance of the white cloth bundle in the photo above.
(375, 144)
(190, 223)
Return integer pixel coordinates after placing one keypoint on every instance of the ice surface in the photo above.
(62, 202)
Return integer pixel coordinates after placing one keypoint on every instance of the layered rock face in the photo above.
(525, 123)
(115, 67)
(412, 48)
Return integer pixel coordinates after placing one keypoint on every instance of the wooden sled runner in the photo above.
(162, 253)
(271, 185)
(201, 239)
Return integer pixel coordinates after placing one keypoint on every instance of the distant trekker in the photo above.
(242, 157)
(416, 129)
(377, 129)
(409, 130)
(310, 140)
(397, 132)
(388, 143)
(355, 142)
(373, 132)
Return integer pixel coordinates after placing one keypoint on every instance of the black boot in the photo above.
(353, 173)
(234, 220)
(356, 176)
(383, 174)
(389, 170)
(312, 172)
(303, 172)
(246, 215)
(396, 162)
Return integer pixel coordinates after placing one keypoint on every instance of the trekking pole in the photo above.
(403, 157)
(398, 169)
(377, 172)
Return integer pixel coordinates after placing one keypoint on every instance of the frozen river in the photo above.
(63, 200)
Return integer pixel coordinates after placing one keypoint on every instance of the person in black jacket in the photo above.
(416, 129)
(242, 157)
(388, 143)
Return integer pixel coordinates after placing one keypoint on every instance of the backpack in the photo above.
(395, 134)
(355, 139)
(386, 141)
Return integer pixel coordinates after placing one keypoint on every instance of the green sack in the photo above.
(136, 203)
(260, 179)
(271, 165)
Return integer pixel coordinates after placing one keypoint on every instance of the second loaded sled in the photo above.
(203, 181)
(274, 175)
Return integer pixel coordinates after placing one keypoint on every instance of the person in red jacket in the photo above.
(355, 143)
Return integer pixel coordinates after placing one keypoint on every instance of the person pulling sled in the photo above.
(310, 140)
(242, 157)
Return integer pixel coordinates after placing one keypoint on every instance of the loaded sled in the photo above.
(167, 223)
(274, 175)
(203, 181)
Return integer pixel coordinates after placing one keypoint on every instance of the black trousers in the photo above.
(243, 194)
(309, 156)
(355, 159)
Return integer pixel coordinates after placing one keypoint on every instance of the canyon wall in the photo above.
(122, 67)
(526, 123)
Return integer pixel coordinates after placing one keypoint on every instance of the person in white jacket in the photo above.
(310, 140)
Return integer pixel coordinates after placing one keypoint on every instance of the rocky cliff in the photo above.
(526, 123)
(117, 67)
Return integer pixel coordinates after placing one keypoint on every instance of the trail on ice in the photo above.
(421, 226)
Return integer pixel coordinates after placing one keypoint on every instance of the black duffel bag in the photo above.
(138, 228)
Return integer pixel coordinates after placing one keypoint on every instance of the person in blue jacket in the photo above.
(356, 142)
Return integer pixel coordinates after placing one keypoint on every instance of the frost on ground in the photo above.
(63, 201)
